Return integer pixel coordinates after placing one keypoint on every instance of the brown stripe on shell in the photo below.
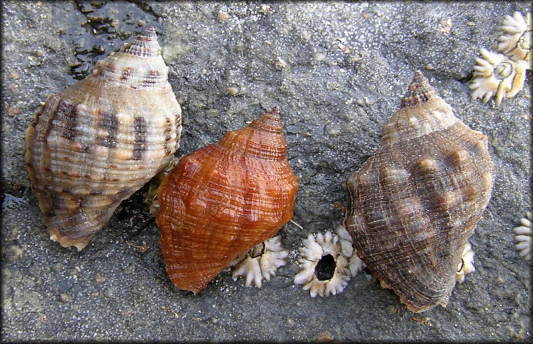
(107, 121)
(168, 135)
(41, 126)
(151, 79)
(69, 113)
(127, 73)
(62, 107)
(110, 67)
(177, 123)
(139, 143)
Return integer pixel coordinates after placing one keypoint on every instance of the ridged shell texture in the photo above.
(223, 199)
(97, 142)
(415, 202)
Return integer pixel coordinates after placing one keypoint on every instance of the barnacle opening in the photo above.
(257, 250)
(461, 265)
(524, 41)
(327, 262)
(325, 268)
(466, 266)
(503, 70)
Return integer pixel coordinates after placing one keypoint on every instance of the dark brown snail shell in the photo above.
(415, 202)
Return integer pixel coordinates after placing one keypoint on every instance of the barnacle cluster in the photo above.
(524, 236)
(501, 75)
(260, 263)
(327, 262)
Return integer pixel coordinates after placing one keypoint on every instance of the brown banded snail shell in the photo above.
(100, 140)
(415, 202)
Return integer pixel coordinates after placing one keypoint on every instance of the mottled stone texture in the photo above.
(337, 71)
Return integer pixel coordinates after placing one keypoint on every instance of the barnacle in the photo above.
(261, 262)
(497, 76)
(467, 264)
(523, 235)
(516, 40)
(355, 264)
(326, 263)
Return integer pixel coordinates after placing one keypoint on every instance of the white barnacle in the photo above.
(466, 265)
(355, 264)
(326, 263)
(524, 236)
(516, 40)
(260, 263)
(497, 76)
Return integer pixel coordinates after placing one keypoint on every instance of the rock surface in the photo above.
(337, 71)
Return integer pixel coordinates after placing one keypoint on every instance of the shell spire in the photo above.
(418, 92)
(262, 138)
(145, 45)
(271, 121)
(410, 122)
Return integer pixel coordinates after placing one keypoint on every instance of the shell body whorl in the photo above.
(223, 199)
(415, 202)
(100, 140)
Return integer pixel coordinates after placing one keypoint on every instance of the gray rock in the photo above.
(337, 71)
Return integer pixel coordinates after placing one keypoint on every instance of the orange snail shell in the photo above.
(223, 199)
(415, 202)
(100, 140)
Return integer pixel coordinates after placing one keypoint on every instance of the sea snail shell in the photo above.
(223, 199)
(97, 142)
(415, 202)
